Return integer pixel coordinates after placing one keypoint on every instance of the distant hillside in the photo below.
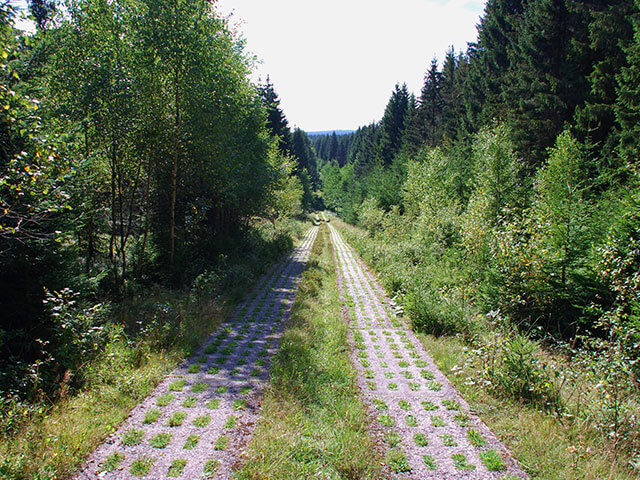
(329, 132)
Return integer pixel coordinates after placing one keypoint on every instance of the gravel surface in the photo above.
(440, 438)
(197, 421)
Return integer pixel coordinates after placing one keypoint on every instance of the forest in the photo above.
(133, 160)
(146, 182)
(506, 197)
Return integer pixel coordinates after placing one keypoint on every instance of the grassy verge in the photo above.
(548, 445)
(147, 337)
(313, 423)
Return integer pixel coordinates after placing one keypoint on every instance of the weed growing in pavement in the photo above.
(403, 404)
(388, 375)
(385, 420)
(451, 404)
(435, 386)
(448, 441)
(151, 416)
(132, 437)
(231, 422)
(420, 439)
(176, 468)
(461, 419)
(427, 374)
(141, 466)
(492, 461)
(202, 421)
(429, 406)
(437, 421)
(194, 368)
(213, 370)
(429, 462)
(177, 385)
(112, 462)
(213, 404)
(392, 386)
(176, 419)
(239, 404)
(221, 443)
(379, 404)
(397, 461)
(191, 442)
(475, 438)
(461, 463)
(161, 440)
(221, 389)
(164, 399)
(189, 402)
(199, 387)
(411, 421)
(393, 439)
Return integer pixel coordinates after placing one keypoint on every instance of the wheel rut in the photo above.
(195, 423)
(427, 418)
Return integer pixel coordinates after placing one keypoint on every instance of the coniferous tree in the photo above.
(393, 125)
(277, 122)
(628, 103)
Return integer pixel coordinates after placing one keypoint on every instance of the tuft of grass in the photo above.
(194, 368)
(451, 404)
(385, 420)
(411, 421)
(210, 468)
(437, 421)
(392, 386)
(475, 438)
(393, 439)
(141, 466)
(189, 402)
(434, 386)
(112, 462)
(420, 439)
(448, 440)
(403, 404)
(164, 399)
(221, 443)
(231, 422)
(429, 406)
(177, 385)
(202, 422)
(429, 462)
(239, 404)
(461, 463)
(161, 440)
(132, 437)
(221, 389)
(199, 387)
(397, 461)
(213, 404)
(492, 461)
(191, 442)
(151, 416)
(176, 419)
(213, 370)
(176, 468)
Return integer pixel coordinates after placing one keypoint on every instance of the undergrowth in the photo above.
(567, 413)
(313, 423)
(144, 338)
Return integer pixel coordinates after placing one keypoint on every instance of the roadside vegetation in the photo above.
(313, 422)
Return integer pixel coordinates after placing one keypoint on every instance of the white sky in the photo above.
(334, 63)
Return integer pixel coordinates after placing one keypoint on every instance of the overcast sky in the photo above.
(335, 63)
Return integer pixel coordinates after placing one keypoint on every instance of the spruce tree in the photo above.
(393, 124)
(628, 103)
(276, 120)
